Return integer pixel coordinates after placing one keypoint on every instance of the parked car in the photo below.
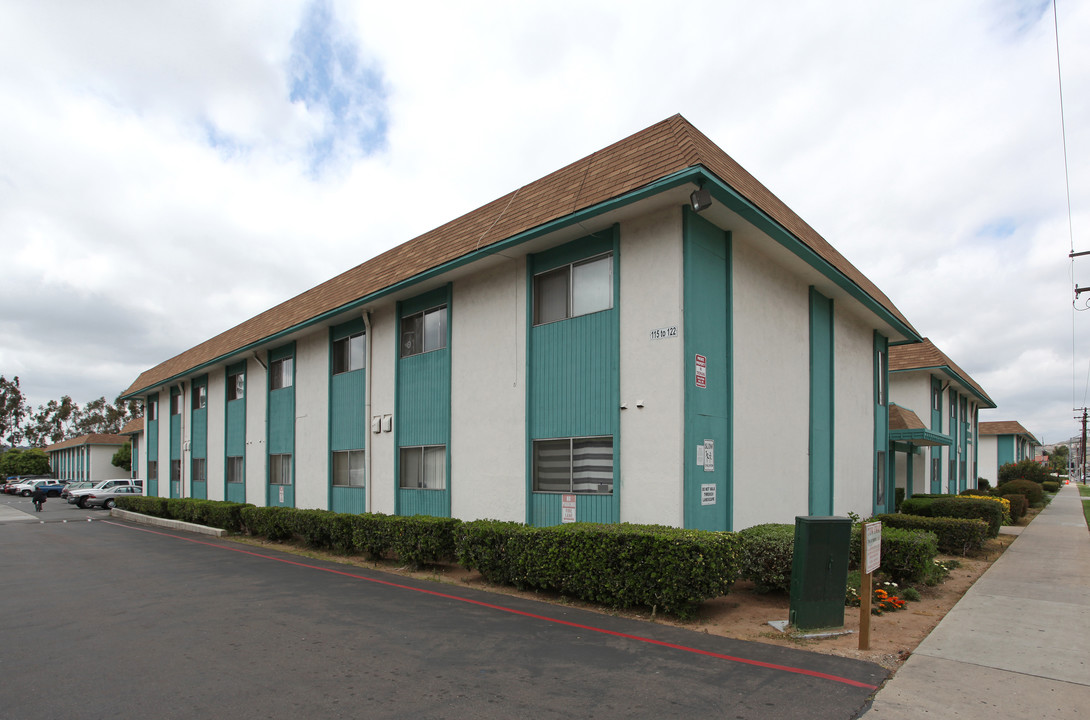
(80, 485)
(79, 497)
(53, 488)
(108, 498)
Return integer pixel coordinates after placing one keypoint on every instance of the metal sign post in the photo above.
(872, 560)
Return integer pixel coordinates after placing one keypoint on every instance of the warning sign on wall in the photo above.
(567, 508)
(701, 371)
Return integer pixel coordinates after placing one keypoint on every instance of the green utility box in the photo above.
(819, 571)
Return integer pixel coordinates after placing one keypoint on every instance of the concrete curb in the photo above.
(166, 523)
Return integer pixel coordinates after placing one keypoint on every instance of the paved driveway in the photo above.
(170, 625)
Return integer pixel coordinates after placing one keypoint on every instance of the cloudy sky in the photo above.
(170, 169)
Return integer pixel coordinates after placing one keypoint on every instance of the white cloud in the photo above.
(156, 169)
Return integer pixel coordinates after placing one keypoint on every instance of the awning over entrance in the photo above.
(906, 427)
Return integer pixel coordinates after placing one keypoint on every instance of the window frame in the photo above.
(568, 270)
(882, 372)
(342, 354)
(280, 462)
(200, 397)
(282, 373)
(880, 478)
(422, 477)
(176, 470)
(231, 462)
(198, 469)
(236, 388)
(359, 455)
(412, 348)
(153, 470)
(152, 411)
(535, 475)
(176, 403)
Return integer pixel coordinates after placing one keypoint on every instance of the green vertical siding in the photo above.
(881, 430)
(821, 404)
(175, 446)
(707, 328)
(234, 432)
(573, 381)
(348, 421)
(348, 499)
(280, 428)
(414, 501)
(1005, 450)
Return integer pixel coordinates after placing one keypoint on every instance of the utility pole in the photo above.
(1082, 447)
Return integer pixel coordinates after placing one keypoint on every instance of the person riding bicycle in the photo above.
(39, 498)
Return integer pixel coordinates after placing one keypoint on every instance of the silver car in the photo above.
(79, 497)
(107, 498)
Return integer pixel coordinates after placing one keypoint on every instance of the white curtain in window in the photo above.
(551, 296)
(592, 286)
(410, 467)
(435, 467)
(435, 329)
(356, 475)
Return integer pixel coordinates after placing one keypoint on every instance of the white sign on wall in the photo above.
(663, 333)
(707, 494)
(872, 547)
(709, 456)
(567, 508)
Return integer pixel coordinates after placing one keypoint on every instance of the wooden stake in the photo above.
(864, 611)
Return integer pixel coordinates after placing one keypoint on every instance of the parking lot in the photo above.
(116, 620)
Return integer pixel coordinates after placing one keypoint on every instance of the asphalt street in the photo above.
(106, 619)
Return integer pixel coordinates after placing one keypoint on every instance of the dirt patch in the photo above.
(744, 614)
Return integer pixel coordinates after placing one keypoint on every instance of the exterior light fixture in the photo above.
(701, 199)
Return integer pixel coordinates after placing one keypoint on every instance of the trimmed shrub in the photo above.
(1019, 505)
(983, 485)
(371, 534)
(917, 505)
(766, 555)
(964, 507)
(1032, 490)
(955, 535)
(907, 555)
(314, 527)
(620, 565)
(1050, 486)
(1022, 470)
(273, 523)
(422, 539)
(898, 498)
(212, 513)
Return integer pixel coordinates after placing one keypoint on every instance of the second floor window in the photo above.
(280, 373)
(424, 331)
(572, 290)
(236, 386)
(200, 397)
(348, 353)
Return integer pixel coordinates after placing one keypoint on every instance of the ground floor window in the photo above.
(153, 469)
(200, 470)
(348, 468)
(280, 469)
(936, 467)
(175, 470)
(953, 489)
(424, 467)
(880, 477)
(234, 469)
(579, 465)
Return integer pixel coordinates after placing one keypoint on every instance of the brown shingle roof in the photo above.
(1005, 427)
(904, 419)
(921, 355)
(94, 439)
(133, 426)
(661, 150)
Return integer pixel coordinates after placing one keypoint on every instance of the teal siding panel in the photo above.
(236, 428)
(821, 404)
(274, 498)
(881, 429)
(1004, 450)
(545, 509)
(348, 500)
(413, 501)
(236, 492)
(281, 421)
(423, 399)
(573, 377)
(153, 488)
(348, 413)
(198, 490)
(707, 293)
(199, 442)
(152, 430)
(175, 437)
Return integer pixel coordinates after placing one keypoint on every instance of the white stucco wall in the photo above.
(312, 420)
(988, 458)
(651, 437)
(854, 409)
(381, 482)
(771, 390)
(256, 401)
(488, 394)
(912, 391)
(102, 467)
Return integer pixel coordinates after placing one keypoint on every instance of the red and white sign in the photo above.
(701, 371)
(567, 508)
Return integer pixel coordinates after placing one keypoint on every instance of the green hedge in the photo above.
(1019, 506)
(1032, 490)
(766, 555)
(989, 511)
(212, 513)
(917, 505)
(907, 555)
(1050, 486)
(620, 565)
(955, 535)
(1023, 470)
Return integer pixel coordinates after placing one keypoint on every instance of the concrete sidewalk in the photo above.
(10, 514)
(1017, 644)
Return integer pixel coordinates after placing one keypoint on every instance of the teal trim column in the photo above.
(234, 432)
(151, 429)
(348, 425)
(885, 461)
(280, 429)
(822, 412)
(709, 401)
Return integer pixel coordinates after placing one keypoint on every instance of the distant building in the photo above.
(1002, 442)
(134, 430)
(87, 457)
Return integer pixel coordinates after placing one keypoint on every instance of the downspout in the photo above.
(368, 451)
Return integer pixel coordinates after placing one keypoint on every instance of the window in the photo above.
(280, 469)
(153, 410)
(236, 386)
(153, 469)
(234, 469)
(572, 290)
(580, 465)
(348, 354)
(200, 397)
(348, 468)
(880, 475)
(936, 467)
(175, 470)
(424, 467)
(176, 404)
(882, 370)
(953, 478)
(280, 373)
(424, 331)
(200, 470)
(936, 397)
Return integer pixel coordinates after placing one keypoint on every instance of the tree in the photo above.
(123, 457)
(24, 462)
(1058, 459)
(13, 411)
(52, 423)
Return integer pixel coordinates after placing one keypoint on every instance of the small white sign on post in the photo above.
(872, 546)
(567, 508)
(707, 494)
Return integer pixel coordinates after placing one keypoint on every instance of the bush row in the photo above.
(1019, 505)
(954, 535)
(1032, 490)
(620, 565)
